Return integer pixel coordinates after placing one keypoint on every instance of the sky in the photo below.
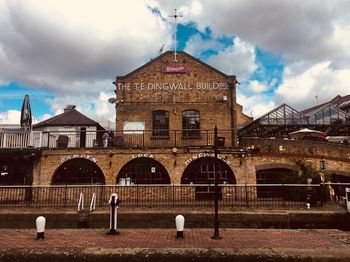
(64, 52)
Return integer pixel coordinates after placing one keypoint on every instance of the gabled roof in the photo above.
(338, 101)
(70, 117)
(283, 114)
(171, 52)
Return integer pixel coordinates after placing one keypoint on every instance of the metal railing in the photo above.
(243, 195)
(124, 139)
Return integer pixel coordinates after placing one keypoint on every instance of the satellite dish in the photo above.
(112, 100)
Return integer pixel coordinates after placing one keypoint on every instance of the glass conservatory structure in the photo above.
(284, 119)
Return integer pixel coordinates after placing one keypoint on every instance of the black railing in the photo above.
(116, 139)
(173, 195)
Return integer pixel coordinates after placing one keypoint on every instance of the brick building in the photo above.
(186, 95)
(179, 102)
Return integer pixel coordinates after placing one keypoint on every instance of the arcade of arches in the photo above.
(143, 171)
(164, 167)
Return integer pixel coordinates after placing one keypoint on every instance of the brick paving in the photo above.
(165, 238)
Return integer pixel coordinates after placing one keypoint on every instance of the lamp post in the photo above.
(216, 201)
(322, 178)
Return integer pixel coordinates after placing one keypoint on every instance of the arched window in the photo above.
(160, 123)
(143, 171)
(78, 171)
(191, 123)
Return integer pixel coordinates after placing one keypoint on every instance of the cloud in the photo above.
(257, 87)
(321, 80)
(11, 117)
(52, 44)
(97, 107)
(238, 59)
(290, 28)
(255, 105)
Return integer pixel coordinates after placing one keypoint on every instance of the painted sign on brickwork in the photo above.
(181, 86)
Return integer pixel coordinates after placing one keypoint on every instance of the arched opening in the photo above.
(78, 171)
(202, 171)
(271, 176)
(143, 170)
(340, 181)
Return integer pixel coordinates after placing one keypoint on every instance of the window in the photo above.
(190, 123)
(160, 123)
(133, 127)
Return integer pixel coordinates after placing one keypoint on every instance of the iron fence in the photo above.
(172, 195)
(116, 139)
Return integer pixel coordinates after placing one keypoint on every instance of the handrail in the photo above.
(81, 202)
(93, 202)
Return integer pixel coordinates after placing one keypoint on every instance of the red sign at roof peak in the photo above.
(174, 69)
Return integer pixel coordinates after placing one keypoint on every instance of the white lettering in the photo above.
(143, 155)
(203, 155)
(78, 156)
(202, 86)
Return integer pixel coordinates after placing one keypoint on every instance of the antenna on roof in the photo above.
(161, 49)
(316, 100)
(175, 17)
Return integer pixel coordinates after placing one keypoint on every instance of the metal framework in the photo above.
(284, 119)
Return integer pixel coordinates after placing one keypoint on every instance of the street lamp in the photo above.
(322, 178)
(216, 200)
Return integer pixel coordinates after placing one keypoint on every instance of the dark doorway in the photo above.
(16, 171)
(202, 171)
(268, 179)
(339, 183)
(82, 137)
(78, 171)
(143, 170)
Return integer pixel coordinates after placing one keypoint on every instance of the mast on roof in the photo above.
(175, 16)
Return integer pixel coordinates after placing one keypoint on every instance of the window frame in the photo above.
(157, 129)
(191, 130)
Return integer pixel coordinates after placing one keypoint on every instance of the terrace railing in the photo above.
(243, 195)
(124, 139)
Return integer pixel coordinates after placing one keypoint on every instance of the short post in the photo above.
(40, 227)
(180, 224)
(114, 203)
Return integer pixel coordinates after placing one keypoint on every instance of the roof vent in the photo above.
(69, 108)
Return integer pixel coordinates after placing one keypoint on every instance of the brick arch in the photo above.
(277, 166)
(338, 172)
(78, 171)
(195, 174)
(140, 171)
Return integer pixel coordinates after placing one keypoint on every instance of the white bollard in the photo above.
(180, 224)
(40, 227)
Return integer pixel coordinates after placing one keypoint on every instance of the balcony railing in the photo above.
(124, 139)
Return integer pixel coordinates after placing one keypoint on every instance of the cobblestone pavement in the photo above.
(165, 238)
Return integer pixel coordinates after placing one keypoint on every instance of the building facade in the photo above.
(185, 95)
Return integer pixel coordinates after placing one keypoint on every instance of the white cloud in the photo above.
(11, 117)
(255, 105)
(238, 59)
(196, 45)
(97, 107)
(257, 87)
(321, 80)
(52, 44)
(300, 30)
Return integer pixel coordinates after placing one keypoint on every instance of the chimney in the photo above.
(69, 108)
